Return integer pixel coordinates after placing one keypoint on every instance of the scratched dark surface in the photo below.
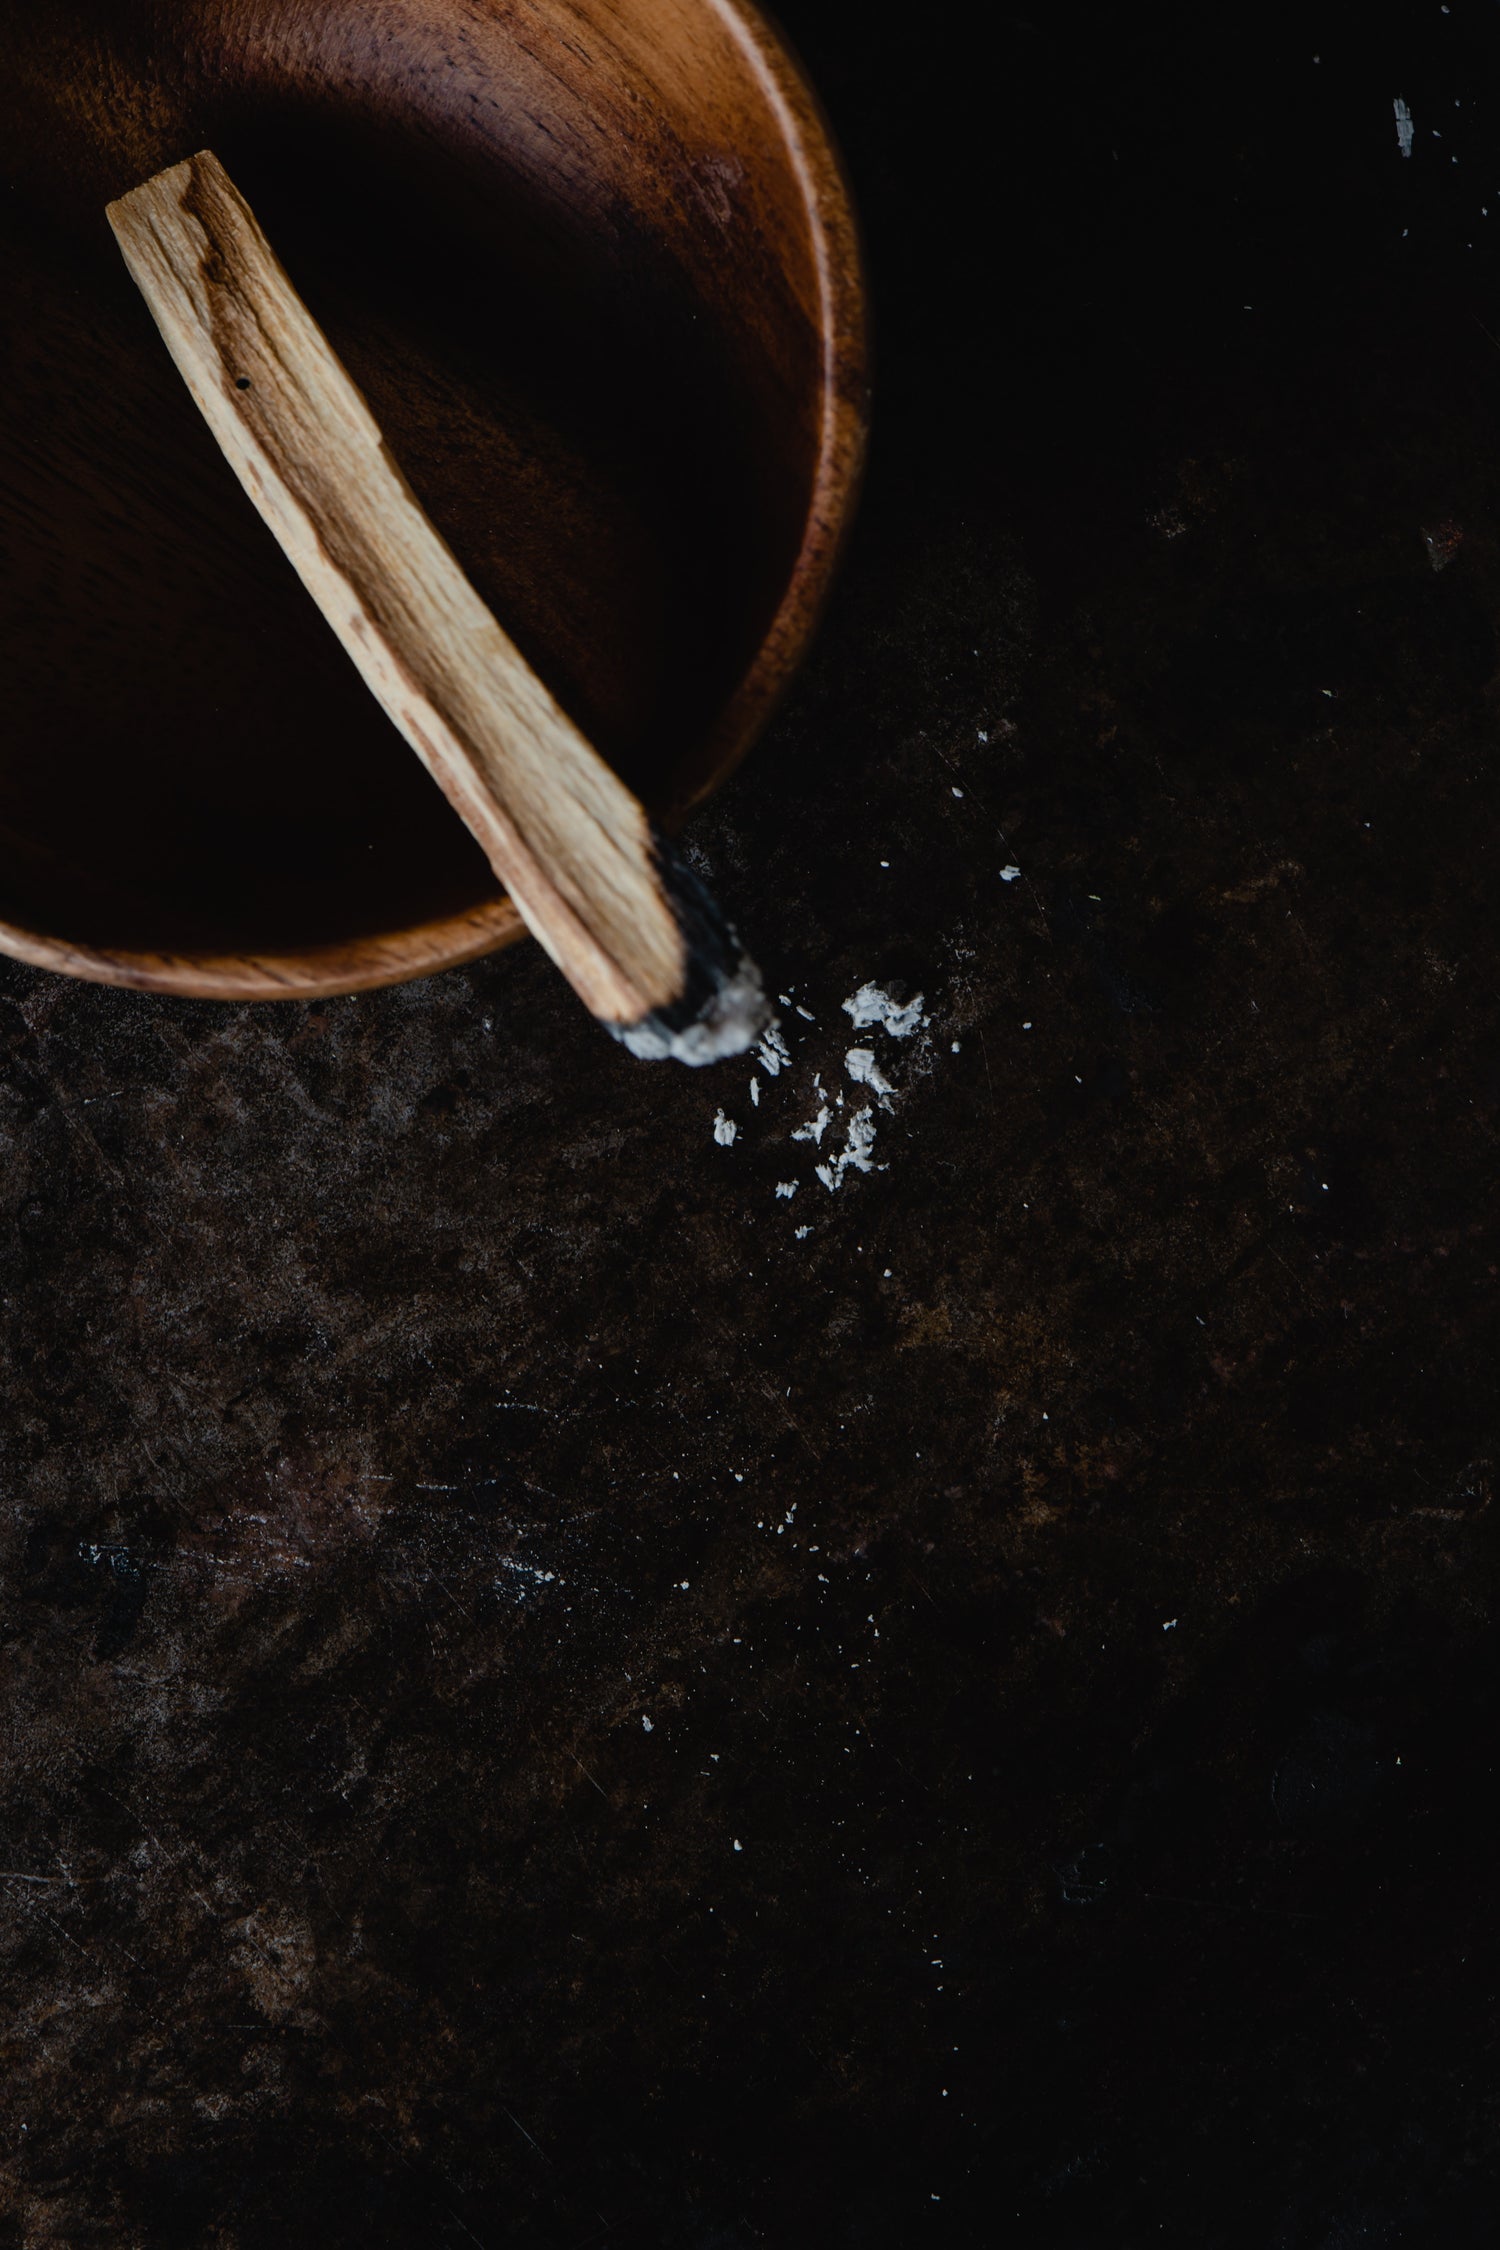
(1061, 1585)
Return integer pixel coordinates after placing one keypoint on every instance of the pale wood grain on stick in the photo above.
(633, 932)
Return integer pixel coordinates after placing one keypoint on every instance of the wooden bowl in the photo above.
(592, 262)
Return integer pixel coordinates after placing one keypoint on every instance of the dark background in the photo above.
(1061, 1584)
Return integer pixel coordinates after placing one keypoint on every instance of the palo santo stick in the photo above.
(627, 923)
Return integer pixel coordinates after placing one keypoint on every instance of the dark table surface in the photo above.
(555, 1694)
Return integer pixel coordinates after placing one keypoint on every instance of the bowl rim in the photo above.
(397, 956)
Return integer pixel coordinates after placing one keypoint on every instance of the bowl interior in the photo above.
(570, 253)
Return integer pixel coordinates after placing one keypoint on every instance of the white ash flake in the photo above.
(527, 1571)
(865, 1071)
(773, 1054)
(871, 1005)
(803, 1233)
(1011, 874)
(646, 1724)
(1404, 133)
(855, 1153)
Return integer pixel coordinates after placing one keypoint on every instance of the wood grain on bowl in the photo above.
(594, 268)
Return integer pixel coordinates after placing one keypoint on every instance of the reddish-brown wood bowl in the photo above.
(592, 262)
